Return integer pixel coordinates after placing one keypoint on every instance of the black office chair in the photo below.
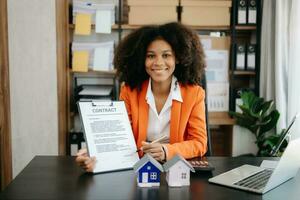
(209, 148)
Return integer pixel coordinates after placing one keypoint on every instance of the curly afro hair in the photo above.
(130, 54)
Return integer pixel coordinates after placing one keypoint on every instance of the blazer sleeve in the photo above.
(194, 142)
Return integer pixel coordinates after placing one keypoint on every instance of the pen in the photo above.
(155, 141)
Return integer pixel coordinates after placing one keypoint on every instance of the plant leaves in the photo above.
(266, 106)
(243, 120)
(274, 116)
(259, 117)
(248, 98)
(267, 144)
(256, 107)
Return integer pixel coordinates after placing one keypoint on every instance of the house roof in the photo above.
(174, 160)
(147, 158)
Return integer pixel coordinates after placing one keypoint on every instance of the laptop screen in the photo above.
(283, 136)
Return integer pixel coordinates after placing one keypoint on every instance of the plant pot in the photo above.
(243, 141)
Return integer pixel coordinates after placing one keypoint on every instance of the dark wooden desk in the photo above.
(54, 177)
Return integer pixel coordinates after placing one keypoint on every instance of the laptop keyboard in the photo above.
(256, 181)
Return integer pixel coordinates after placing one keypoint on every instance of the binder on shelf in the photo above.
(238, 102)
(251, 56)
(74, 143)
(77, 142)
(237, 98)
(81, 143)
(240, 57)
(241, 12)
(252, 11)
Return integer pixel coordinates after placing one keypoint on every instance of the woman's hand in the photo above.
(155, 150)
(84, 161)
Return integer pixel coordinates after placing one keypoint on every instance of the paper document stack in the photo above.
(100, 56)
(216, 51)
(101, 12)
(90, 92)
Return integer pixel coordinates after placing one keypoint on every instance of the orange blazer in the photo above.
(187, 125)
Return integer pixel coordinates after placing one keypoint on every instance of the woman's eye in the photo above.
(150, 56)
(166, 55)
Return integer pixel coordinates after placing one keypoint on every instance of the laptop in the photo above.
(263, 179)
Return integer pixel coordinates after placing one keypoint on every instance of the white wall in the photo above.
(33, 80)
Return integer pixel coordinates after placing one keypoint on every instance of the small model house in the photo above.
(178, 171)
(148, 170)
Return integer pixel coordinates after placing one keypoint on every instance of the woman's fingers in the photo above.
(90, 161)
(155, 150)
(84, 161)
(157, 156)
(89, 167)
(81, 159)
(82, 152)
(150, 147)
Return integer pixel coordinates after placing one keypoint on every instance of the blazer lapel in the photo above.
(175, 117)
(143, 115)
(175, 120)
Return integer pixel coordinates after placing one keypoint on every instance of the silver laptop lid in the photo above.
(287, 167)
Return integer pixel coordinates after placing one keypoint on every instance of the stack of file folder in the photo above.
(91, 92)
(93, 6)
(98, 56)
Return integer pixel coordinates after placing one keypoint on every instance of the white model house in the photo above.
(148, 171)
(178, 171)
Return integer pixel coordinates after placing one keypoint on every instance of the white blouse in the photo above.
(159, 124)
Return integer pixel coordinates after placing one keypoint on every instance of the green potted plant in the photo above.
(260, 117)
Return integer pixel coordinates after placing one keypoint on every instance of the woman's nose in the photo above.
(158, 60)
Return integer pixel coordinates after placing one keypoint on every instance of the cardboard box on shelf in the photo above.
(206, 13)
(215, 43)
(217, 51)
(142, 12)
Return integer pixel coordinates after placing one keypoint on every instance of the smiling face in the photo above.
(160, 61)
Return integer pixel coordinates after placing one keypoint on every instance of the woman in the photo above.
(161, 67)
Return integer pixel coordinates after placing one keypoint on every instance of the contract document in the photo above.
(108, 135)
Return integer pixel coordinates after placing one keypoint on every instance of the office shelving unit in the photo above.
(244, 79)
